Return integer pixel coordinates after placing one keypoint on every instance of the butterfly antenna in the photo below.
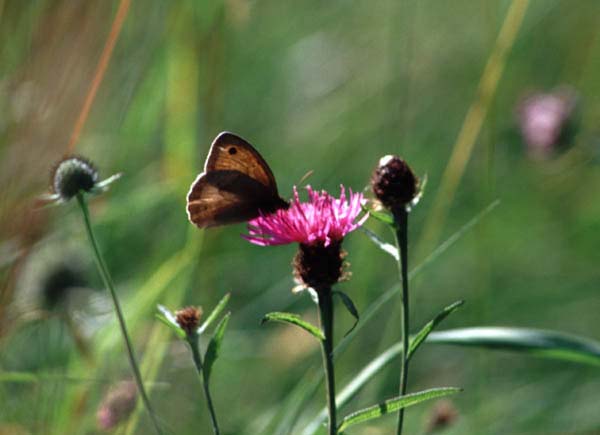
(306, 176)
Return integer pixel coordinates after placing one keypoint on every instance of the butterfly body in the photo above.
(237, 185)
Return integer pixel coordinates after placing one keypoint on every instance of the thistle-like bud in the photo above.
(394, 183)
(117, 405)
(73, 175)
(318, 266)
(188, 319)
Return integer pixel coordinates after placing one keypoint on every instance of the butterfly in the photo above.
(237, 185)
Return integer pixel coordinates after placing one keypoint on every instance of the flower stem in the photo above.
(193, 342)
(109, 284)
(401, 218)
(326, 321)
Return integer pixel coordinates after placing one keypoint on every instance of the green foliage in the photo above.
(386, 247)
(426, 330)
(296, 320)
(214, 314)
(392, 405)
(168, 318)
(214, 346)
(548, 344)
(369, 371)
(349, 306)
(381, 216)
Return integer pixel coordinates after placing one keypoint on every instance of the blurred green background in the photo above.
(324, 86)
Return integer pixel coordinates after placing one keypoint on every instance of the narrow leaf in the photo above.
(349, 306)
(420, 337)
(381, 216)
(168, 318)
(381, 244)
(214, 346)
(214, 314)
(549, 344)
(393, 405)
(294, 319)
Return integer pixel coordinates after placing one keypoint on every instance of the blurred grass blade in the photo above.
(37, 377)
(381, 244)
(214, 314)
(294, 319)
(420, 337)
(549, 344)
(349, 306)
(212, 352)
(393, 405)
(169, 319)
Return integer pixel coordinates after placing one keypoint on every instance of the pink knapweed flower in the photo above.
(320, 221)
(544, 119)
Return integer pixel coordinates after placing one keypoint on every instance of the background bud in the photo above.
(117, 405)
(546, 121)
(73, 175)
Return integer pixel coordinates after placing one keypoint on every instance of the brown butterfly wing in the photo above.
(230, 152)
(234, 187)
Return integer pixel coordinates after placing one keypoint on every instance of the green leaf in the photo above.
(381, 244)
(393, 405)
(349, 306)
(381, 216)
(294, 319)
(214, 346)
(420, 337)
(549, 344)
(168, 318)
(215, 313)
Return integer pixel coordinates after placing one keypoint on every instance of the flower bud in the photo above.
(188, 319)
(73, 175)
(394, 183)
(318, 266)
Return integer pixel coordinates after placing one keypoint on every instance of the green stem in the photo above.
(109, 284)
(193, 342)
(326, 321)
(401, 218)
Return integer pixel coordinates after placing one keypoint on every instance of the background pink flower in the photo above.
(321, 220)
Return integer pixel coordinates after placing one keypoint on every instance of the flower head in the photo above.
(320, 221)
(73, 175)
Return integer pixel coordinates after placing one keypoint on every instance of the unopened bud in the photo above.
(394, 183)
